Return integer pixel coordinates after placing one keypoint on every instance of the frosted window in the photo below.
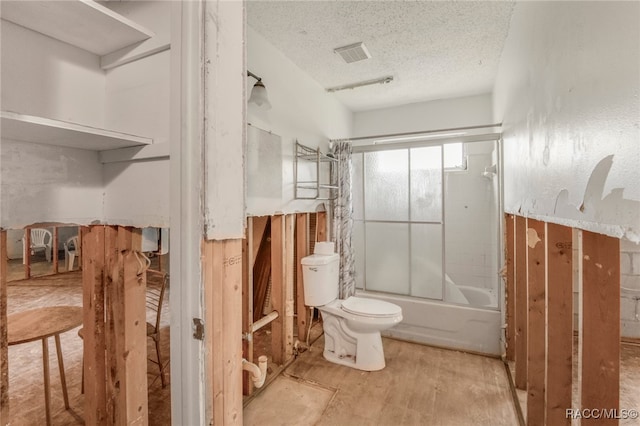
(454, 156)
(359, 251)
(426, 184)
(387, 257)
(386, 178)
(426, 260)
(356, 187)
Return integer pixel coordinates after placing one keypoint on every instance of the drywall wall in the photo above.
(301, 110)
(48, 78)
(45, 77)
(433, 115)
(153, 15)
(42, 183)
(224, 129)
(567, 92)
(42, 76)
(138, 102)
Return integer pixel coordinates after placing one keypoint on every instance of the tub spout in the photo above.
(258, 372)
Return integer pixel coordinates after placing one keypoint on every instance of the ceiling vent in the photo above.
(353, 52)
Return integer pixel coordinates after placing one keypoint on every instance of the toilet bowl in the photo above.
(352, 326)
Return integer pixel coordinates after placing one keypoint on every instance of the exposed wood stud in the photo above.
(536, 281)
(321, 224)
(599, 363)
(81, 230)
(258, 227)
(95, 406)
(247, 312)
(54, 250)
(131, 340)
(4, 342)
(27, 253)
(262, 273)
(510, 224)
(289, 303)
(223, 335)
(302, 245)
(520, 272)
(111, 253)
(129, 238)
(277, 288)
(559, 323)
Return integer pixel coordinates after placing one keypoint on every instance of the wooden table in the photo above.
(40, 324)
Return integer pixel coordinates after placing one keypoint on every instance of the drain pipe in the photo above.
(258, 372)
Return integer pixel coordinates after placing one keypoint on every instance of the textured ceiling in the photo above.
(433, 50)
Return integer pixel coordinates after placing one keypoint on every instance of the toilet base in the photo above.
(362, 351)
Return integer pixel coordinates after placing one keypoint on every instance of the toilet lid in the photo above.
(370, 307)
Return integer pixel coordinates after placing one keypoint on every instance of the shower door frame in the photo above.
(475, 329)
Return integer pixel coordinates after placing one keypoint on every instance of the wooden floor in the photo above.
(420, 385)
(26, 383)
(629, 382)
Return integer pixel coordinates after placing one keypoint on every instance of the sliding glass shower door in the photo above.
(426, 237)
(399, 221)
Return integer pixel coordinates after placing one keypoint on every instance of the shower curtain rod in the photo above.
(424, 132)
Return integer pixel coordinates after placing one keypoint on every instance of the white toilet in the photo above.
(351, 327)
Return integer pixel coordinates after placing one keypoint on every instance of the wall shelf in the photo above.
(313, 189)
(81, 23)
(28, 128)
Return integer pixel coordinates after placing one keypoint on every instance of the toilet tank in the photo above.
(320, 278)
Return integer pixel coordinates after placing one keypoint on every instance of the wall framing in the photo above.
(549, 320)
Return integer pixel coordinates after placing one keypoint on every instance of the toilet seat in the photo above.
(370, 307)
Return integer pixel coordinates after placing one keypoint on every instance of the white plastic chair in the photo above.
(70, 252)
(40, 239)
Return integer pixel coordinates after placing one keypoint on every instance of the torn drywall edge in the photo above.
(617, 231)
(596, 212)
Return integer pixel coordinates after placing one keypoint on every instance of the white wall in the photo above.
(41, 183)
(48, 78)
(45, 77)
(433, 115)
(42, 76)
(567, 92)
(301, 109)
(138, 102)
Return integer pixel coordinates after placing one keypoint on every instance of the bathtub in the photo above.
(478, 296)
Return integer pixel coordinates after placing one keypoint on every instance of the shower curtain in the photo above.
(342, 215)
